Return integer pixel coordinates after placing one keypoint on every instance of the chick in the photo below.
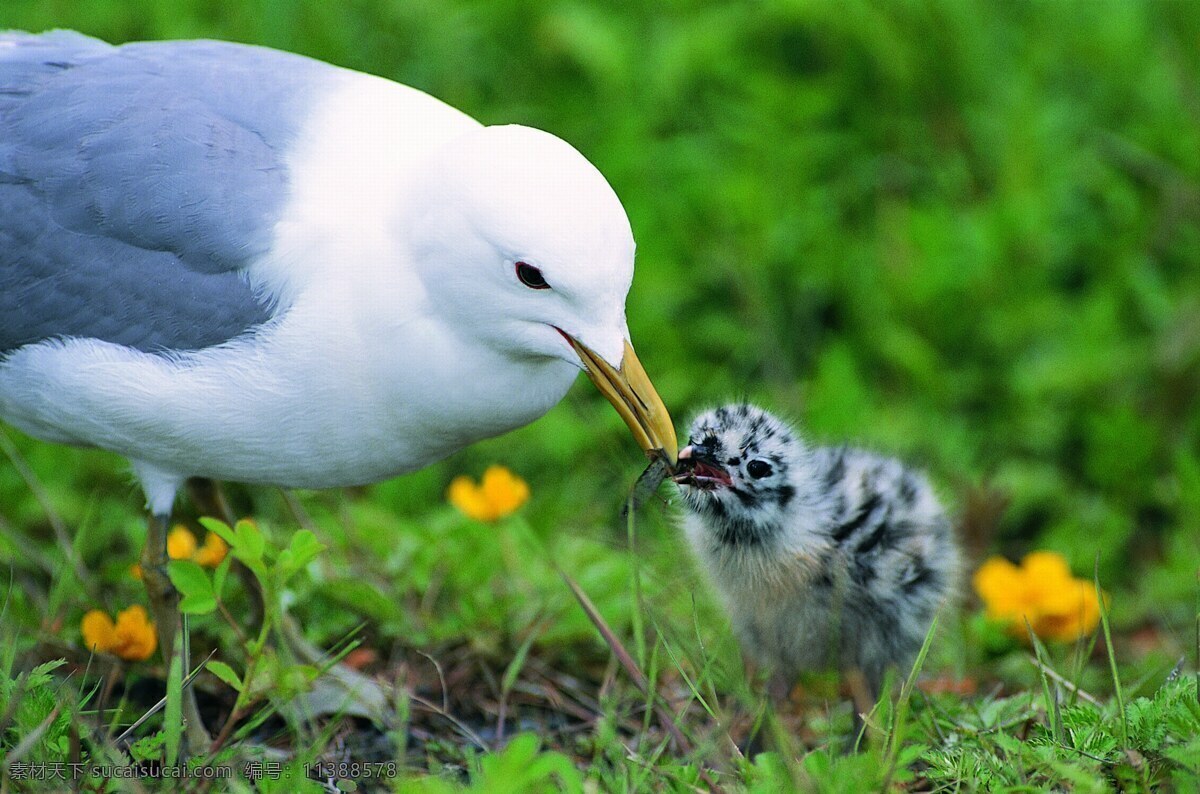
(827, 558)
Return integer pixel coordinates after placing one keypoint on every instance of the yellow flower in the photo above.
(98, 630)
(1041, 591)
(499, 494)
(213, 552)
(181, 545)
(504, 490)
(132, 637)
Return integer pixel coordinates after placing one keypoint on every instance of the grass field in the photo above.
(964, 233)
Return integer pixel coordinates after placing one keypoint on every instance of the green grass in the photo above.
(965, 233)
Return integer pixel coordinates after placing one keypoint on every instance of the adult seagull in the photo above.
(229, 262)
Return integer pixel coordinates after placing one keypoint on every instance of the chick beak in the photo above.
(699, 466)
(630, 391)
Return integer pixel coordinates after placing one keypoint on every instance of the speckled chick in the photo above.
(827, 558)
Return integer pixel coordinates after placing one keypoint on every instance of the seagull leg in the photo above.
(209, 500)
(163, 601)
(164, 606)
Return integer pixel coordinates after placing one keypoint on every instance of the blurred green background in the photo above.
(967, 233)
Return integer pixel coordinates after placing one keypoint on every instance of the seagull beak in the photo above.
(630, 391)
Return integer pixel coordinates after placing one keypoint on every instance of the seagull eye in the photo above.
(531, 277)
(758, 469)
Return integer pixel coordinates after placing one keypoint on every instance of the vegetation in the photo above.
(967, 233)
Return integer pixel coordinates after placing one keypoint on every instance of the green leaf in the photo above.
(249, 541)
(41, 674)
(300, 552)
(220, 527)
(193, 584)
(518, 661)
(225, 673)
(263, 678)
(305, 546)
(197, 605)
(189, 578)
(147, 748)
(219, 575)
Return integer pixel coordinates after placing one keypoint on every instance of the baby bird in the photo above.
(827, 558)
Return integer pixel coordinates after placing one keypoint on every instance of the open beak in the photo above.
(630, 391)
(700, 468)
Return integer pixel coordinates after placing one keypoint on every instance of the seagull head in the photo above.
(524, 247)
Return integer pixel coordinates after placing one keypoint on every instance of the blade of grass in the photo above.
(635, 577)
(606, 632)
(12, 577)
(159, 705)
(510, 678)
(1072, 687)
(892, 752)
(704, 655)
(8, 647)
(665, 718)
(677, 661)
(1083, 652)
(173, 717)
(1053, 712)
(458, 724)
(651, 691)
(934, 713)
(52, 517)
(1118, 692)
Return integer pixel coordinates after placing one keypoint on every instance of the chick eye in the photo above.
(758, 469)
(531, 277)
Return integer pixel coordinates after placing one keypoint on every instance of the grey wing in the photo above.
(137, 181)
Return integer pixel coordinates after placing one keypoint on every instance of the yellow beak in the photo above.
(630, 391)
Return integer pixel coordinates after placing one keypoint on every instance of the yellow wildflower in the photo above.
(1041, 591)
(182, 545)
(132, 637)
(504, 490)
(213, 552)
(499, 494)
